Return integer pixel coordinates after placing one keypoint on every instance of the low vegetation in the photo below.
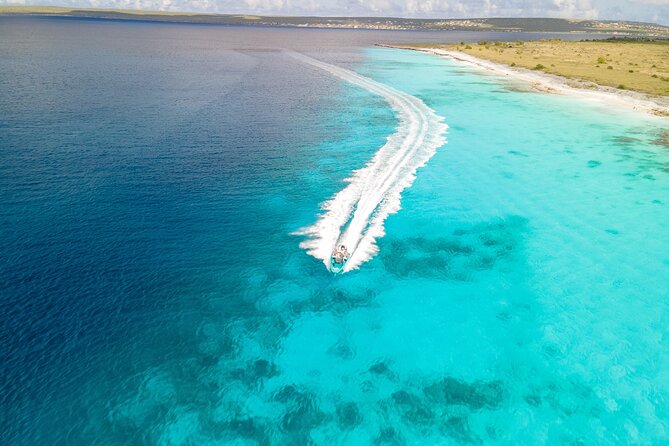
(630, 64)
(62, 10)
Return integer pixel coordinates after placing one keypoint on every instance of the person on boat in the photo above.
(340, 254)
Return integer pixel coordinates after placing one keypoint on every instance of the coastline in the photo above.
(527, 24)
(556, 84)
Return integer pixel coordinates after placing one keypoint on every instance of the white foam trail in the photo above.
(356, 214)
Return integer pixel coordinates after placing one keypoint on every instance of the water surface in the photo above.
(151, 177)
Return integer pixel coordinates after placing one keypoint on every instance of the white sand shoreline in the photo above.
(551, 83)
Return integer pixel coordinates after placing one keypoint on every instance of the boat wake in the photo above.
(355, 216)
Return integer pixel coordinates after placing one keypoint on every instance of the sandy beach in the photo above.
(556, 84)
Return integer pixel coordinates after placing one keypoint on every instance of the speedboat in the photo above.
(338, 259)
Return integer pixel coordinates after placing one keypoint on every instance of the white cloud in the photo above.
(651, 2)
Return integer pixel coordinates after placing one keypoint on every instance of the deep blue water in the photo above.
(152, 290)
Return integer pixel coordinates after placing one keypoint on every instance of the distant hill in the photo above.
(395, 23)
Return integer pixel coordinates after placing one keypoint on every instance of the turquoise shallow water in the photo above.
(551, 213)
(518, 297)
(156, 293)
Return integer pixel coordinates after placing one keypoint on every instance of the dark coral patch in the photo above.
(477, 395)
(388, 437)
(458, 429)
(412, 408)
(301, 415)
(456, 257)
(348, 416)
(379, 368)
(662, 139)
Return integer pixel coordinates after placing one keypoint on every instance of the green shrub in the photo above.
(513, 64)
(654, 75)
(601, 60)
(631, 71)
(609, 67)
(468, 47)
(621, 87)
(539, 67)
(483, 42)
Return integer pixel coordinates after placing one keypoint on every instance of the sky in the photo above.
(656, 11)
